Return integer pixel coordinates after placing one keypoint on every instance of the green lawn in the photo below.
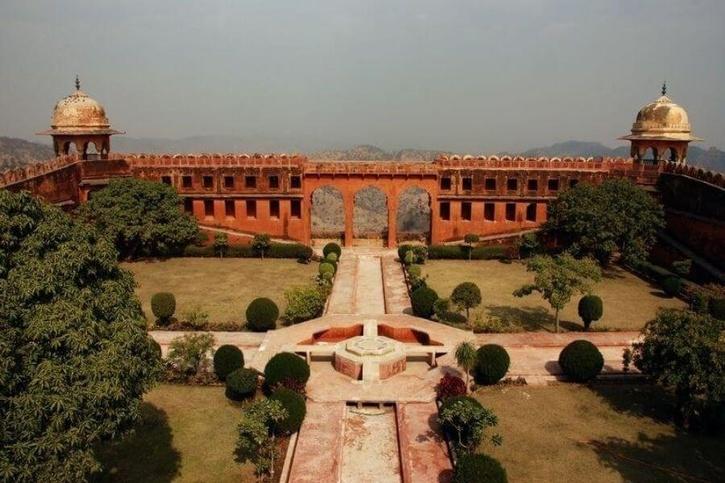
(221, 287)
(187, 434)
(629, 301)
(604, 433)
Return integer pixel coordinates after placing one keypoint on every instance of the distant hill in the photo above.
(16, 153)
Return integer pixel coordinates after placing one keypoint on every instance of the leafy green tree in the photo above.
(256, 442)
(75, 359)
(466, 295)
(141, 217)
(466, 358)
(468, 421)
(685, 352)
(469, 241)
(599, 220)
(221, 243)
(261, 243)
(558, 278)
(191, 353)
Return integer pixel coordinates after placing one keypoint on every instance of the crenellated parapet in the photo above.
(700, 174)
(19, 175)
(520, 162)
(372, 168)
(212, 160)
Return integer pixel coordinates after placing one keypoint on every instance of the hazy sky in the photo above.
(467, 76)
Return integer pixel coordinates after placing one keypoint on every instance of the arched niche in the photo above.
(370, 214)
(327, 213)
(413, 218)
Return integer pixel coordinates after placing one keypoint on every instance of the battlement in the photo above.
(519, 162)
(389, 168)
(212, 160)
(711, 177)
(18, 175)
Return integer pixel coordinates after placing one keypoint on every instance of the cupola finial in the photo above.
(664, 88)
(78, 83)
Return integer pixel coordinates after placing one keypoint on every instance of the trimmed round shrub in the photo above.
(479, 468)
(422, 301)
(283, 366)
(326, 267)
(227, 359)
(296, 410)
(262, 315)
(492, 364)
(672, 286)
(450, 386)
(241, 384)
(163, 305)
(331, 257)
(590, 309)
(466, 295)
(402, 250)
(581, 360)
(332, 247)
(717, 308)
(414, 271)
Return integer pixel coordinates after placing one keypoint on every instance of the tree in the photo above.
(599, 220)
(469, 240)
(75, 359)
(590, 309)
(261, 243)
(256, 442)
(467, 420)
(684, 352)
(190, 354)
(466, 295)
(558, 278)
(141, 217)
(221, 243)
(466, 358)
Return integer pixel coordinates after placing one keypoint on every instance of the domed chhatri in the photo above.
(80, 121)
(661, 131)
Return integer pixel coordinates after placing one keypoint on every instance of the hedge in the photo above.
(581, 360)
(241, 384)
(227, 359)
(286, 365)
(296, 408)
(492, 364)
(460, 252)
(262, 314)
(276, 250)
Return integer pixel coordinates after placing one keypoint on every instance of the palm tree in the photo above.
(466, 358)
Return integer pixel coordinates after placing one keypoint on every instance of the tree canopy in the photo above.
(75, 359)
(558, 278)
(141, 217)
(685, 351)
(600, 220)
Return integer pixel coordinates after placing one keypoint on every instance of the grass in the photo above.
(222, 288)
(187, 434)
(602, 433)
(629, 302)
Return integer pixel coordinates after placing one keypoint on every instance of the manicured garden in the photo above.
(602, 433)
(629, 301)
(221, 287)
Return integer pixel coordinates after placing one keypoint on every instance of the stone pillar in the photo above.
(392, 221)
(348, 201)
(434, 221)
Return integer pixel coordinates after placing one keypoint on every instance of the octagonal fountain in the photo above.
(370, 357)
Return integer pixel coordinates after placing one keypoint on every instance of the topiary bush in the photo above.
(227, 359)
(332, 247)
(450, 386)
(581, 360)
(590, 309)
(672, 286)
(492, 364)
(331, 257)
(163, 305)
(466, 295)
(241, 384)
(262, 314)
(478, 468)
(296, 410)
(326, 267)
(422, 300)
(414, 271)
(402, 250)
(283, 366)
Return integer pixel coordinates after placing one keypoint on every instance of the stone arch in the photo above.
(673, 155)
(327, 210)
(370, 214)
(413, 217)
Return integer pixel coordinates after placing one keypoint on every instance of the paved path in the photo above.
(394, 286)
(317, 457)
(370, 446)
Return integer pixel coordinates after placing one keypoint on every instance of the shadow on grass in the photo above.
(681, 456)
(530, 319)
(678, 458)
(147, 454)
